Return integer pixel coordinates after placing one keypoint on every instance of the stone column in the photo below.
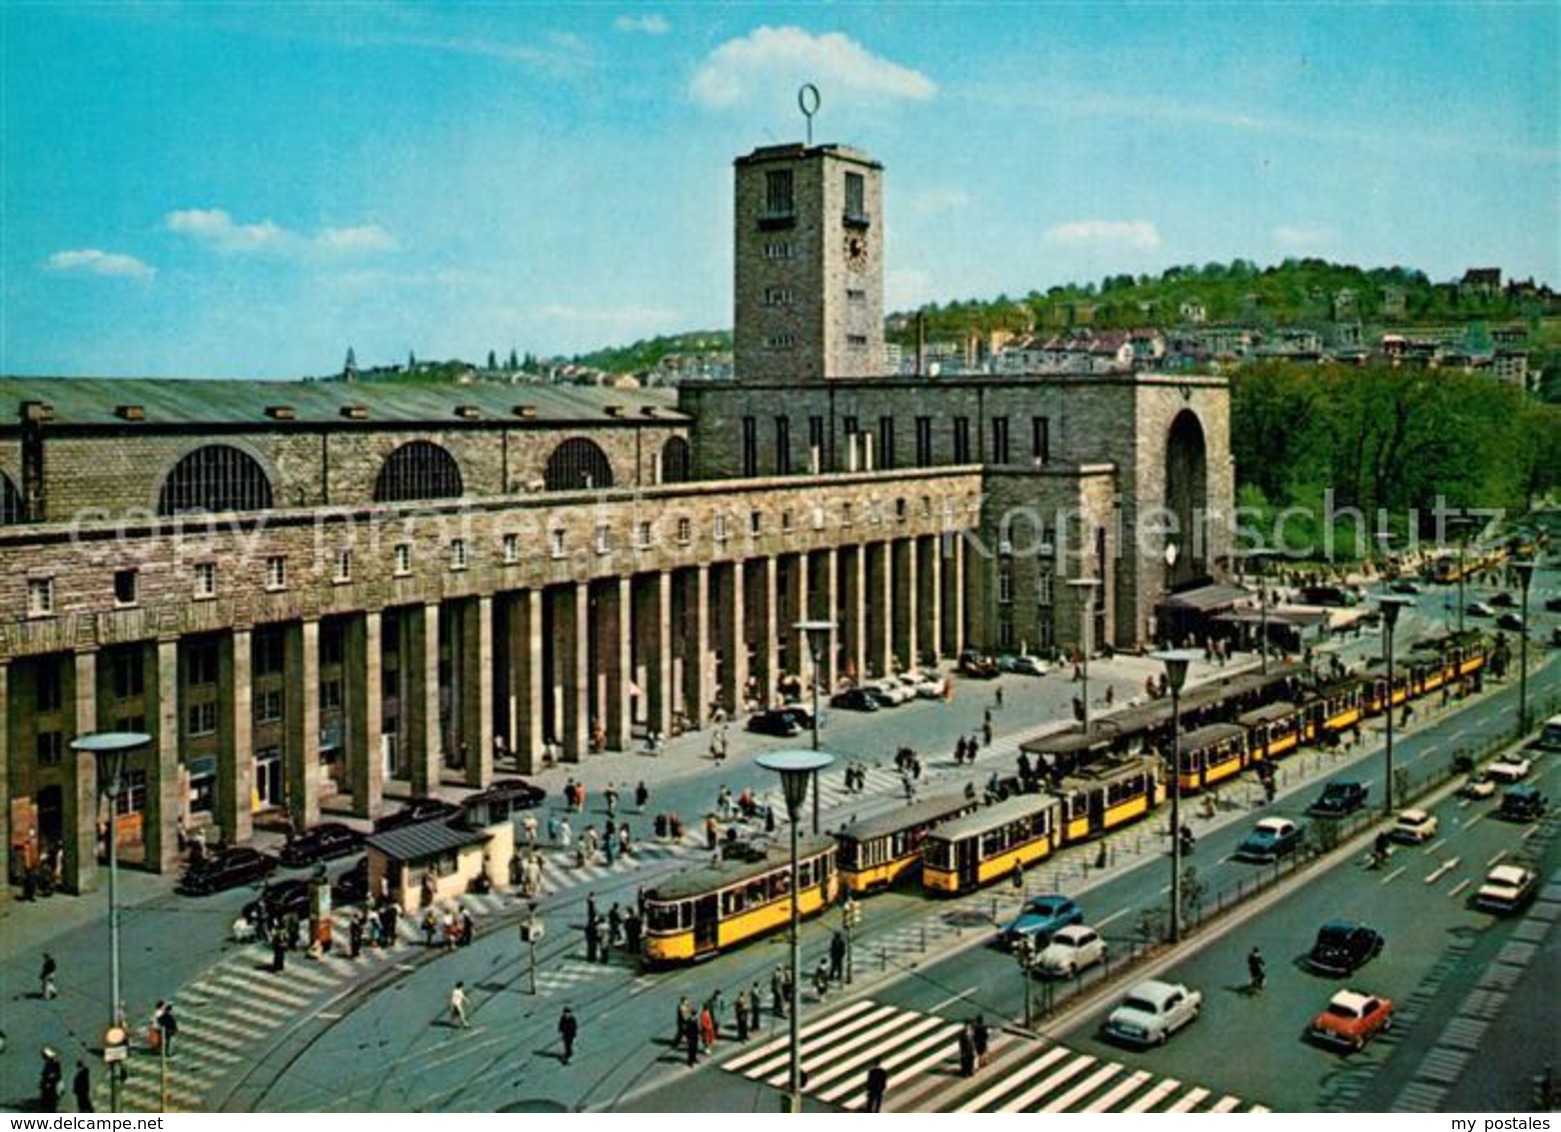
(79, 795)
(420, 655)
(617, 660)
(477, 689)
(572, 669)
(830, 609)
(236, 754)
(732, 634)
(879, 602)
(933, 604)
(769, 630)
(660, 692)
(908, 579)
(5, 769)
(955, 549)
(521, 704)
(301, 760)
(696, 649)
(365, 713)
(853, 605)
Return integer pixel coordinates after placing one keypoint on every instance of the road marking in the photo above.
(1120, 912)
(1431, 850)
(960, 997)
(1477, 817)
(330, 1015)
(1395, 873)
(1441, 870)
(1500, 853)
(1459, 887)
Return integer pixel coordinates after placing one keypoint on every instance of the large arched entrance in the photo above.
(1187, 499)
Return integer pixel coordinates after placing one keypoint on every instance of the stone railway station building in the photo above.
(315, 595)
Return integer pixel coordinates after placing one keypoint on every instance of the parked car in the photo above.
(1343, 946)
(1152, 1012)
(1413, 827)
(1339, 798)
(1506, 889)
(1070, 951)
(854, 699)
(321, 843)
(1351, 1019)
(417, 810)
(352, 886)
(932, 686)
(1480, 609)
(1523, 803)
(1510, 622)
(1553, 604)
(890, 692)
(1405, 586)
(1513, 768)
(503, 797)
(973, 663)
(1031, 666)
(1270, 839)
(775, 721)
(1478, 787)
(226, 868)
(1504, 600)
(1039, 920)
(288, 895)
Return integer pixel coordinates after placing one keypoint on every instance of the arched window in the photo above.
(418, 469)
(215, 478)
(578, 463)
(10, 501)
(674, 461)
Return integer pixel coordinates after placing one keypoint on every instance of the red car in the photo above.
(1351, 1019)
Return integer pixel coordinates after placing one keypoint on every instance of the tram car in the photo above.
(1101, 797)
(971, 852)
(704, 911)
(880, 851)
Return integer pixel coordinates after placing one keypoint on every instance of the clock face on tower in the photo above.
(856, 250)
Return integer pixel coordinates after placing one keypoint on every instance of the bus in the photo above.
(704, 911)
(879, 851)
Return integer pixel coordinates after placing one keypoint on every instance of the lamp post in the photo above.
(796, 770)
(817, 632)
(1390, 606)
(1461, 525)
(1085, 588)
(532, 930)
(1258, 558)
(111, 749)
(1176, 662)
(1525, 572)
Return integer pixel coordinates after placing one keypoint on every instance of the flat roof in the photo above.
(425, 839)
(713, 878)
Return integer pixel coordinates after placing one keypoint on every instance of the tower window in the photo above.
(40, 597)
(750, 446)
(783, 446)
(961, 440)
(1041, 439)
(779, 249)
(856, 199)
(125, 587)
(999, 440)
(886, 442)
(782, 341)
(778, 198)
(778, 297)
(924, 442)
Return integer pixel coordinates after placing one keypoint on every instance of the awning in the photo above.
(423, 840)
(1207, 599)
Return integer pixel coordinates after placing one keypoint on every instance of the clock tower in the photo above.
(808, 296)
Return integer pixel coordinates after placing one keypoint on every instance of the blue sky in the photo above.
(246, 190)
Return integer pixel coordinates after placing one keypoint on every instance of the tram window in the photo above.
(757, 893)
(780, 885)
(662, 917)
(731, 902)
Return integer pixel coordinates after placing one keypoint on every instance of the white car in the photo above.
(1509, 770)
(1506, 889)
(1478, 787)
(1031, 665)
(889, 692)
(932, 686)
(1413, 826)
(1070, 951)
(1152, 1012)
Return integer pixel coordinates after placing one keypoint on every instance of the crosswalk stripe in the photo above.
(935, 1042)
(1084, 1088)
(737, 1064)
(219, 1028)
(1190, 1101)
(1060, 1077)
(1227, 1103)
(253, 992)
(1118, 1091)
(862, 1058)
(814, 1044)
(1155, 1095)
(979, 1102)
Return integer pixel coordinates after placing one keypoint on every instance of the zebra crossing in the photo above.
(920, 1052)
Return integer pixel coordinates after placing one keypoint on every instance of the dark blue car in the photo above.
(1039, 920)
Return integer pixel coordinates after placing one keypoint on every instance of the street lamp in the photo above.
(1176, 662)
(111, 749)
(1258, 558)
(1525, 572)
(1462, 525)
(532, 930)
(1390, 606)
(1085, 588)
(817, 632)
(796, 769)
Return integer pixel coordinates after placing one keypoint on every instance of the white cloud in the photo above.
(1304, 236)
(646, 25)
(216, 229)
(1106, 233)
(769, 57)
(95, 262)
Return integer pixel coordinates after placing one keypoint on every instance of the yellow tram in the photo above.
(969, 852)
(879, 851)
(1274, 730)
(1101, 797)
(699, 913)
(1212, 754)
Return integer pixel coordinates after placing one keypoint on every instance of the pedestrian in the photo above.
(777, 993)
(614, 925)
(593, 940)
(998, 695)
(986, 733)
(568, 1027)
(641, 796)
(1019, 879)
(49, 1078)
(685, 1015)
(566, 835)
(967, 1052)
(877, 1086)
(468, 928)
(81, 1085)
(691, 1040)
(1257, 969)
(978, 1039)
(430, 927)
(837, 957)
(387, 924)
(706, 1028)
(631, 932)
(167, 1027)
(278, 952)
(591, 914)
(769, 818)
(458, 1007)
(46, 977)
(355, 934)
(740, 1014)
(611, 795)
